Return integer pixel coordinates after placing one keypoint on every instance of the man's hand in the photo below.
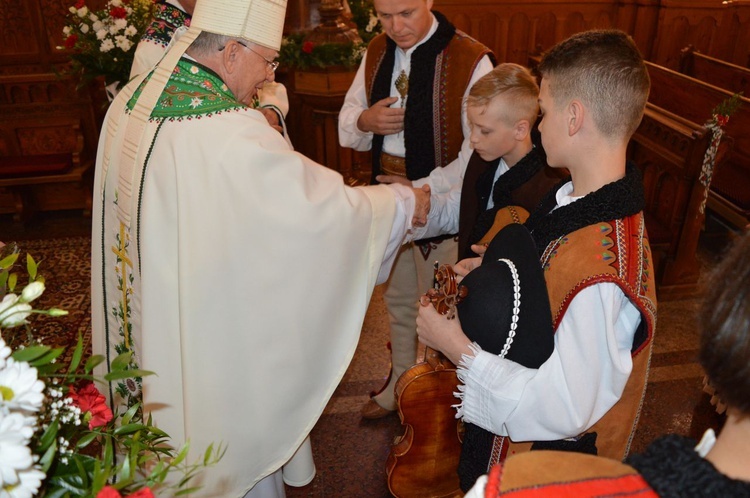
(388, 179)
(272, 117)
(422, 206)
(382, 119)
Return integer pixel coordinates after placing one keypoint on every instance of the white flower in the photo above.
(115, 3)
(15, 455)
(83, 11)
(130, 30)
(113, 29)
(36, 288)
(371, 23)
(84, 28)
(12, 311)
(19, 386)
(101, 34)
(72, 9)
(121, 24)
(66, 30)
(93, 17)
(30, 482)
(4, 353)
(97, 26)
(107, 45)
(123, 42)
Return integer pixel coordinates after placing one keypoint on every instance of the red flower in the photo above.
(142, 493)
(80, 4)
(308, 47)
(71, 41)
(118, 12)
(108, 492)
(722, 120)
(92, 404)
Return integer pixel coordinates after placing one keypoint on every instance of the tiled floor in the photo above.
(350, 453)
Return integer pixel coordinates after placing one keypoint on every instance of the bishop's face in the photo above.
(406, 22)
(255, 69)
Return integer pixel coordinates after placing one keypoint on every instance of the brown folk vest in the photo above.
(454, 67)
(617, 251)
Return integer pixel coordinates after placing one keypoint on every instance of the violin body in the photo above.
(423, 462)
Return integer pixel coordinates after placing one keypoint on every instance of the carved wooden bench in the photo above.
(693, 99)
(46, 146)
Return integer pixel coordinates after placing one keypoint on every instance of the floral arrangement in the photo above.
(719, 118)
(58, 437)
(300, 54)
(102, 42)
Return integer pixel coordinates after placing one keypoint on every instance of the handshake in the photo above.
(421, 196)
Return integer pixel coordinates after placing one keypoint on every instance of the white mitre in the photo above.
(257, 21)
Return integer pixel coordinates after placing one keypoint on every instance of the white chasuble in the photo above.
(241, 275)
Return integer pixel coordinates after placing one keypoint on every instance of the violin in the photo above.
(423, 461)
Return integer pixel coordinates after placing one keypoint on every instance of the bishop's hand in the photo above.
(422, 206)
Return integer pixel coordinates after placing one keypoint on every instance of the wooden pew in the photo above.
(669, 151)
(694, 100)
(714, 71)
(730, 194)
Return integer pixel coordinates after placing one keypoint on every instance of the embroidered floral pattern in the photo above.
(167, 19)
(122, 312)
(192, 91)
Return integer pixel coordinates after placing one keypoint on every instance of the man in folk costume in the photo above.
(593, 246)
(237, 269)
(405, 105)
(171, 15)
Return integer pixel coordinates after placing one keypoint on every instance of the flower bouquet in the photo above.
(102, 42)
(58, 437)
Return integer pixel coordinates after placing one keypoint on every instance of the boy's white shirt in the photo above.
(591, 363)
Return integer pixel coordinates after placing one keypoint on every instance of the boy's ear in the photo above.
(576, 113)
(522, 129)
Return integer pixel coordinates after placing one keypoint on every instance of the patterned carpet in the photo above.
(349, 452)
(66, 267)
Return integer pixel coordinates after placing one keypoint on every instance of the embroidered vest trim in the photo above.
(441, 69)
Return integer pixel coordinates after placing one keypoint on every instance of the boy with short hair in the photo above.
(592, 243)
(507, 175)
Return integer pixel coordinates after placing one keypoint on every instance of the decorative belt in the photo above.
(392, 165)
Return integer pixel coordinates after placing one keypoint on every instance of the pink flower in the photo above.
(71, 41)
(308, 47)
(108, 492)
(92, 404)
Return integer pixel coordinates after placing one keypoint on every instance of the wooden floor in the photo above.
(350, 452)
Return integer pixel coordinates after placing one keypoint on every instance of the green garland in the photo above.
(299, 54)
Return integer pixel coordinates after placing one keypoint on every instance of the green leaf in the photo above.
(122, 361)
(92, 362)
(77, 355)
(31, 266)
(128, 429)
(127, 374)
(12, 280)
(49, 457)
(8, 261)
(86, 439)
(128, 415)
(47, 358)
(49, 435)
(30, 353)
